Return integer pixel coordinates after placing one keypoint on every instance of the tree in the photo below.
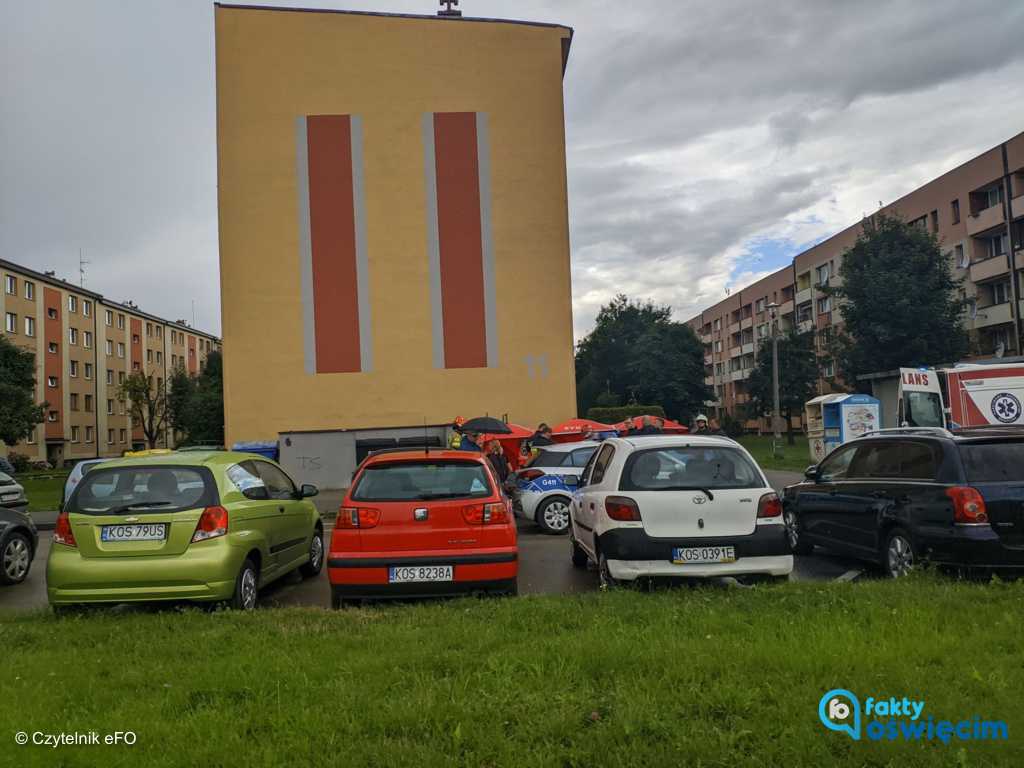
(147, 403)
(180, 390)
(637, 353)
(195, 404)
(900, 302)
(19, 413)
(798, 373)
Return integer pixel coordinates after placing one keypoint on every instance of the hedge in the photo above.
(623, 412)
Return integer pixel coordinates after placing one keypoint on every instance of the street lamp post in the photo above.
(773, 310)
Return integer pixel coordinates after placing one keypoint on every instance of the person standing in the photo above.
(469, 443)
(714, 428)
(496, 456)
(542, 436)
(650, 426)
(700, 424)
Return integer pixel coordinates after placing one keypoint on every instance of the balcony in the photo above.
(994, 314)
(708, 360)
(739, 375)
(988, 268)
(802, 297)
(734, 327)
(985, 219)
(803, 326)
(709, 381)
(786, 307)
(735, 351)
(748, 348)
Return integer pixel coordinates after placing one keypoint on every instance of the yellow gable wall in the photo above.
(273, 66)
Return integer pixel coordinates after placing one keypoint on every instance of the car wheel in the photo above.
(604, 574)
(579, 556)
(316, 556)
(794, 538)
(899, 556)
(246, 591)
(15, 559)
(553, 515)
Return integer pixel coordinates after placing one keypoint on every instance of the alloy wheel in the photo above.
(900, 557)
(556, 515)
(316, 550)
(249, 589)
(16, 559)
(792, 532)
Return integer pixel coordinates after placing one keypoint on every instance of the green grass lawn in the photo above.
(794, 458)
(711, 677)
(43, 490)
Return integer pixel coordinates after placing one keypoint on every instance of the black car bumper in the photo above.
(972, 547)
(421, 589)
(635, 544)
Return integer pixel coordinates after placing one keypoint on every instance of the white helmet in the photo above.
(701, 417)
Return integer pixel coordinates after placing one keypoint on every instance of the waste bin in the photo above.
(268, 449)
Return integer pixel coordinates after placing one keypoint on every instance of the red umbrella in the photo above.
(636, 423)
(573, 429)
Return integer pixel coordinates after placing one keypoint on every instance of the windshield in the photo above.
(422, 481)
(128, 490)
(548, 459)
(993, 462)
(684, 467)
(922, 409)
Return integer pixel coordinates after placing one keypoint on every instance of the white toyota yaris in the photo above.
(677, 506)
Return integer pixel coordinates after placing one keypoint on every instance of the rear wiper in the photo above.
(138, 505)
(705, 491)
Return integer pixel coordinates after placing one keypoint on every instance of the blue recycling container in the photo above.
(268, 449)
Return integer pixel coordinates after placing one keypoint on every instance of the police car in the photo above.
(543, 493)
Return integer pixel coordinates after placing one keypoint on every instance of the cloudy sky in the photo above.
(708, 142)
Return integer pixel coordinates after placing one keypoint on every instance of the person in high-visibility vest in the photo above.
(455, 438)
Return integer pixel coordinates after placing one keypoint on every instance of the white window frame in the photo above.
(109, 318)
(10, 322)
(30, 326)
(30, 290)
(73, 304)
(73, 336)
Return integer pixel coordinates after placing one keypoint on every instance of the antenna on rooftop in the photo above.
(448, 11)
(81, 269)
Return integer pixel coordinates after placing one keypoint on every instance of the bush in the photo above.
(623, 412)
(19, 461)
(731, 425)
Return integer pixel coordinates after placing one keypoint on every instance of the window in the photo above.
(88, 434)
(279, 485)
(86, 310)
(74, 434)
(718, 345)
(828, 370)
(123, 435)
(30, 326)
(120, 324)
(88, 403)
(73, 336)
(109, 317)
(110, 407)
(408, 481)
(114, 491)
(601, 463)
(110, 347)
(824, 305)
(993, 196)
(120, 349)
(997, 246)
(670, 468)
(11, 322)
(1001, 292)
(135, 366)
(580, 457)
(74, 369)
(51, 382)
(88, 370)
(30, 290)
(762, 331)
(935, 221)
(72, 303)
(823, 273)
(961, 256)
(149, 329)
(120, 377)
(825, 336)
(836, 465)
(149, 355)
(159, 356)
(901, 459)
(52, 416)
(993, 462)
(110, 437)
(87, 339)
(920, 223)
(11, 285)
(51, 312)
(954, 211)
(135, 338)
(758, 307)
(159, 332)
(31, 439)
(718, 324)
(74, 401)
(52, 347)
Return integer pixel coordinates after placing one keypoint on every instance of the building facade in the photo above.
(394, 237)
(85, 347)
(976, 210)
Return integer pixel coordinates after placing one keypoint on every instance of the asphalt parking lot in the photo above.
(544, 568)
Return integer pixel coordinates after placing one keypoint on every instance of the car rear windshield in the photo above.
(548, 459)
(129, 490)
(422, 481)
(686, 467)
(993, 462)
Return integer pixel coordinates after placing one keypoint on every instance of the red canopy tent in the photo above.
(573, 429)
(635, 423)
(510, 443)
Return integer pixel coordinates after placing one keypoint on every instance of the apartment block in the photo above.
(976, 210)
(85, 347)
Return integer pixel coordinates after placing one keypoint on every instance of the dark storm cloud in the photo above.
(695, 131)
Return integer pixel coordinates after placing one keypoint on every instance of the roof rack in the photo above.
(910, 431)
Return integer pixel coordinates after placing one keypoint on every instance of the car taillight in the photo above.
(968, 506)
(212, 523)
(485, 514)
(769, 505)
(62, 531)
(357, 517)
(621, 508)
(530, 474)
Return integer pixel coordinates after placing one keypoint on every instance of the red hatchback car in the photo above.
(417, 523)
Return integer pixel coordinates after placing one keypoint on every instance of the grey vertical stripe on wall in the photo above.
(483, 155)
(433, 241)
(305, 245)
(362, 258)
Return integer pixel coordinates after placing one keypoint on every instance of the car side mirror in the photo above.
(811, 473)
(573, 481)
(308, 490)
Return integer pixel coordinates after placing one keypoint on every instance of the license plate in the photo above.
(134, 532)
(8, 497)
(407, 573)
(703, 555)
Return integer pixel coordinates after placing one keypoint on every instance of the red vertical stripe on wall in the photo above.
(458, 229)
(333, 241)
(193, 356)
(54, 364)
(135, 356)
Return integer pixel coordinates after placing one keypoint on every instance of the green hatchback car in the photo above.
(212, 527)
